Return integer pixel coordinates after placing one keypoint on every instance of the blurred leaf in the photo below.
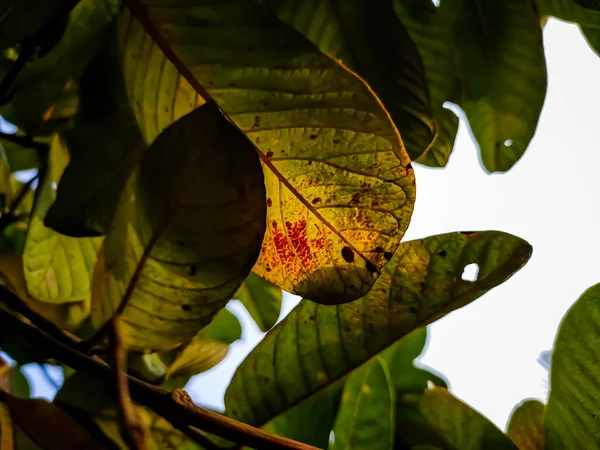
(46, 423)
(198, 356)
(187, 233)
(366, 415)
(105, 144)
(19, 157)
(261, 299)
(589, 4)
(570, 11)
(47, 87)
(69, 316)
(526, 427)
(58, 268)
(431, 33)
(22, 19)
(592, 36)
(571, 419)
(13, 381)
(225, 328)
(461, 426)
(501, 58)
(317, 345)
(369, 38)
(340, 189)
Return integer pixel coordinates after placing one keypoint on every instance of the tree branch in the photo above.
(132, 431)
(25, 141)
(177, 408)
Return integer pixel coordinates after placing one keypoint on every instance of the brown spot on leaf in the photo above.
(442, 253)
(313, 136)
(269, 154)
(388, 255)
(192, 270)
(186, 307)
(348, 254)
(269, 203)
(371, 267)
(379, 250)
(316, 200)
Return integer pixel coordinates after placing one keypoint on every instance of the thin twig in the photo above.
(177, 408)
(25, 141)
(48, 377)
(9, 217)
(132, 431)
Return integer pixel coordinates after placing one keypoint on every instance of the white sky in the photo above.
(489, 349)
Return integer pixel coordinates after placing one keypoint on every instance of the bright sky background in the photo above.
(488, 350)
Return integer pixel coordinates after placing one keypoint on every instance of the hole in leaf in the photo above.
(54, 185)
(470, 272)
(508, 142)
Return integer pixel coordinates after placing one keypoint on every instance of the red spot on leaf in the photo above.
(269, 203)
(269, 154)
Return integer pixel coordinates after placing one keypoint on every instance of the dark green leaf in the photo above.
(369, 38)
(431, 33)
(366, 415)
(589, 4)
(105, 144)
(461, 426)
(261, 299)
(310, 118)
(317, 345)
(19, 157)
(571, 419)
(501, 58)
(187, 232)
(526, 427)
(569, 11)
(592, 36)
(46, 90)
(225, 328)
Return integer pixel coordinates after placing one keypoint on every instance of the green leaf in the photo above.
(569, 11)
(46, 88)
(369, 38)
(19, 157)
(104, 143)
(198, 356)
(366, 416)
(22, 19)
(592, 36)
(589, 4)
(261, 299)
(13, 381)
(571, 419)
(501, 58)
(317, 345)
(340, 189)
(431, 33)
(187, 232)
(225, 328)
(58, 268)
(526, 427)
(459, 424)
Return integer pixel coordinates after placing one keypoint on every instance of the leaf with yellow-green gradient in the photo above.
(369, 38)
(526, 426)
(318, 345)
(58, 268)
(340, 190)
(186, 233)
(432, 35)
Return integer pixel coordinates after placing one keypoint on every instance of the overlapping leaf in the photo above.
(369, 38)
(105, 144)
(571, 419)
(431, 33)
(48, 86)
(459, 424)
(261, 299)
(526, 428)
(58, 268)
(501, 58)
(187, 232)
(340, 190)
(317, 345)
(569, 11)
(366, 418)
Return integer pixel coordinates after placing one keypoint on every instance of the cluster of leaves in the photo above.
(190, 152)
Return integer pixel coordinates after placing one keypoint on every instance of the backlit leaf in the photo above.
(459, 424)
(46, 88)
(501, 58)
(431, 33)
(20, 158)
(592, 36)
(526, 428)
(317, 345)
(589, 4)
(570, 11)
(198, 356)
(104, 144)
(369, 38)
(58, 268)
(186, 233)
(261, 299)
(340, 190)
(571, 419)
(225, 328)
(366, 416)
